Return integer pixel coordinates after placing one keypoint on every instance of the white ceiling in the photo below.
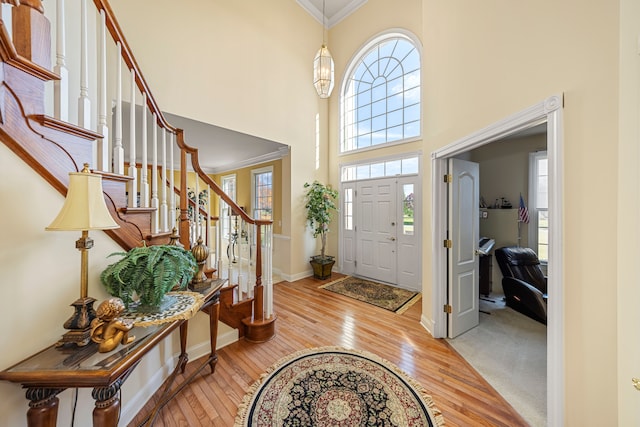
(334, 10)
(221, 150)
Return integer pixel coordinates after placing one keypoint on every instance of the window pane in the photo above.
(412, 129)
(377, 170)
(364, 97)
(379, 107)
(394, 134)
(348, 208)
(263, 202)
(412, 113)
(543, 235)
(364, 141)
(405, 166)
(378, 123)
(395, 87)
(393, 167)
(395, 102)
(363, 172)
(394, 118)
(379, 90)
(412, 79)
(410, 166)
(384, 89)
(412, 96)
(408, 208)
(364, 127)
(379, 138)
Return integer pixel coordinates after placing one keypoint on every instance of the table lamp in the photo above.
(84, 209)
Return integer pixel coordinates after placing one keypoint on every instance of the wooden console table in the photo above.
(54, 369)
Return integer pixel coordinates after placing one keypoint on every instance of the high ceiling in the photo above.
(334, 10)
(220, 149)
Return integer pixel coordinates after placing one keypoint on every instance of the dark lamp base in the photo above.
(79, 325)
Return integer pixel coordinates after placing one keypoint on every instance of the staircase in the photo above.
(146, 165)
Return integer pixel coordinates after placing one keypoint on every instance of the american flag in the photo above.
(523, 212)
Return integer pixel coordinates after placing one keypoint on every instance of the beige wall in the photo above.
(504, 168)
(628, 212)
(249, 70)
(488, 60)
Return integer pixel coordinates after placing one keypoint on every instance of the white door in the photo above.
(376, 230)
(463, 286)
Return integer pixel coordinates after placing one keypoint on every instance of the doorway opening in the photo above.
(547, 112)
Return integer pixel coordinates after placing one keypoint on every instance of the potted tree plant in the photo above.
(320, 202)
(148, 273)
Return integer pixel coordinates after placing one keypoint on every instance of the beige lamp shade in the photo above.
(84, 208)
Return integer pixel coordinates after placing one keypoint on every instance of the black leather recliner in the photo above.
(524, 284)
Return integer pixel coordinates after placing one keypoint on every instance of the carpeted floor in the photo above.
(510, 351)
(379, 294)
(333, 386)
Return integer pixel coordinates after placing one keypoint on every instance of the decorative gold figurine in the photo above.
(107, 329)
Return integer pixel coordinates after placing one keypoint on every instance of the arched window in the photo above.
(381, 94)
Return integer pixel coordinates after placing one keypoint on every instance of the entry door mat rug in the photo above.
(333, 386)
(379, 294)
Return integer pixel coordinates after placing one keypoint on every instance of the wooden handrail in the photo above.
(65, 145)
(127, 56)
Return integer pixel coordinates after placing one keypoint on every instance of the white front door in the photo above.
(463, 287)
(376, 230)
(381, 229)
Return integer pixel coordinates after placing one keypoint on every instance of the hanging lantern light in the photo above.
(323, 67)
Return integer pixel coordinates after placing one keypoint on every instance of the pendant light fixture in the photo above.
(323, 67)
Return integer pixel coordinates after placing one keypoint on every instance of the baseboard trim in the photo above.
(134, 404)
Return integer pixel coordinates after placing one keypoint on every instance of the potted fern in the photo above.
(145, 274)
(320, 202)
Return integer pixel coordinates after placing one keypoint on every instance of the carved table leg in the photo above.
(184, 357)
(43, 406)
(107, 410)
(214, 314)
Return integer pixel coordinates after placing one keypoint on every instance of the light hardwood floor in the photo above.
(313, 317)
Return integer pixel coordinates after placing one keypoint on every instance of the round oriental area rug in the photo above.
(331, 386)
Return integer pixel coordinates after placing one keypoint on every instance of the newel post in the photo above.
(32, 32)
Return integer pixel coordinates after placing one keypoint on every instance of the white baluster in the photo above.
(84, 103)
(267, 271)
(133, 172)
(154, 176)
(144, 171)
(118, 150)
(197, 211)
(102, 146)
(207, 234)
(61, 87)
(172, 194)
(164, 225)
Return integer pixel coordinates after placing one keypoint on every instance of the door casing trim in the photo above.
(548, 111)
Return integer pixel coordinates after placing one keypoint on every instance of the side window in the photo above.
(381, 96)
(262, 197)
(538, 204)
(347, 202)
(229, 187)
